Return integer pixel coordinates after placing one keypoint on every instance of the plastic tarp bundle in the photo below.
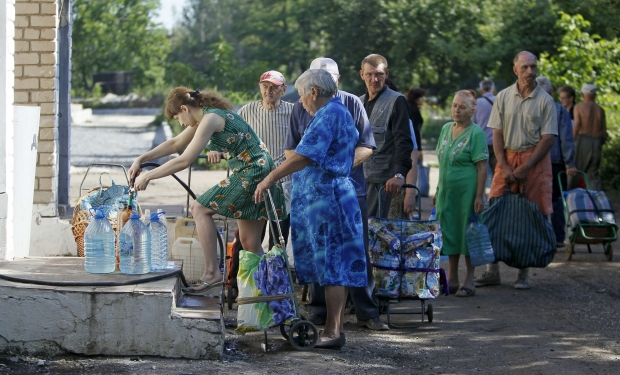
(405, 257)
(260, 276)
(589, 207)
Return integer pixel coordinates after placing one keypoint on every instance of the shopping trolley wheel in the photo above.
(429, 313)
(569, 251)
(303, 335)
(285, 330)
(609, 252)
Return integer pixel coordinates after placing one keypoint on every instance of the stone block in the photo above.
(47, 83)
(43, 196)
(42, 96)
(47, 159)
(39, 71)
(43, 21)
(32, 33)
(26, 8)
(46, 146)
(45, 171)
(43, 46)
(18, 72)
(47, 134)
(21, 21)
(21, 97)
(47, 121)
(26, 83)
(48, 9)
(48, 58)
(29, 58)
(18, 34)
(48, 108)
(49, 34)
(22, 46)
(45, 184)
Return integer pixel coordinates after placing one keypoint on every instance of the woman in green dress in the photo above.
(462, 152)
(210, 122)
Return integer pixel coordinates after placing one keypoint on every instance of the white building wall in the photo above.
(7, 47)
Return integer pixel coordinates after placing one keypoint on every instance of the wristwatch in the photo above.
(398, 175)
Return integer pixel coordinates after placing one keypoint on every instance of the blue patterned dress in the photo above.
(326, 222)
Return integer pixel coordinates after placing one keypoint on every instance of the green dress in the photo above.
(458, 182)
(249, 162)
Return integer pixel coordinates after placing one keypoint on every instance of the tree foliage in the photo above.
(115, 35)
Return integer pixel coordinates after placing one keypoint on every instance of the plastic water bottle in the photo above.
(135, 247)
(147, 217)
(433, 215)
(159, 242)
(99, 253)
(479, 243)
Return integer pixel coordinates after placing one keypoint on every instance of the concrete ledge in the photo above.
(138, 319)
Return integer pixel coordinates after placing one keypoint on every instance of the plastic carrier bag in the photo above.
(479, 243)
(260, 276)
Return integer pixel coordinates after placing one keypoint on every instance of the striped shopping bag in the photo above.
(521, 236)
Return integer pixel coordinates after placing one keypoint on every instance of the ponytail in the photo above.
(193, 98)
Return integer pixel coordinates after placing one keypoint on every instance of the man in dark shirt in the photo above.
(389, 118)
(366, 306)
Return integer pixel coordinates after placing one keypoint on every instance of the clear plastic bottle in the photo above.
(159, 241)
(99, 253)
(147, 217)
(135, 247)
(433, 215)
(479, 243)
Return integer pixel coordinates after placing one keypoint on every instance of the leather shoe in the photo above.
(374, 324)
(333, 343)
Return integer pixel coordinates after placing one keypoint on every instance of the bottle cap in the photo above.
(99, 214)
(473, 219)
(155, 215)
(134, 215)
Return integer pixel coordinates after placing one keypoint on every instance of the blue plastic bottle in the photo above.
(99, 254)
(159, 242)
(433, 215)
(479, 243)
(135, 247)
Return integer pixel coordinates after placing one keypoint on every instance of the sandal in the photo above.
(201, 292)
(453, 289)
(465, 292)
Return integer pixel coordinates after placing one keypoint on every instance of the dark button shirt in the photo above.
(399, 126)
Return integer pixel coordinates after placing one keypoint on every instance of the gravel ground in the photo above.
(568, 323)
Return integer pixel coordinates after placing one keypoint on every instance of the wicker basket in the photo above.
(81, 219)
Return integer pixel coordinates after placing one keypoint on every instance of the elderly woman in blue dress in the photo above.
(326, 222)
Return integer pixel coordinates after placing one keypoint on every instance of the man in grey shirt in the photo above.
(484, 105)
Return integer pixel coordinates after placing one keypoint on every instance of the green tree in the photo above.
(115, 35)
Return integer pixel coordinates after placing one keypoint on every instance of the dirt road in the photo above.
(568, 323)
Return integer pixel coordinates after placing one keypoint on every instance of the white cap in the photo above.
(588, 89)
(328, 64)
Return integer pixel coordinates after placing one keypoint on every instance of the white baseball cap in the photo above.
(328, 64)
(588, 89)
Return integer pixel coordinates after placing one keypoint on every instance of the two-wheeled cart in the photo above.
(302, 334)
(405, 260)
(589, 217)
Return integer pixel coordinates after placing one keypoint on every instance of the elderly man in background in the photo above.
(389, 119)
(590, 132)
(484, 105)
(524, 124)
(366, 306)
(269, 117)
(562, 160)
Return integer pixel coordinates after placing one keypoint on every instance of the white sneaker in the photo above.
(523, 280)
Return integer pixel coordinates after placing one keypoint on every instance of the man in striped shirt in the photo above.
(269, 117)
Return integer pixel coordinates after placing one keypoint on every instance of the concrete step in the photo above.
(151, 318)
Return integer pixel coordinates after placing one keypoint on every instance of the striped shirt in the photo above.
(270, 126)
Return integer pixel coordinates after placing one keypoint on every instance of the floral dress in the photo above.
(249, 162)
(458, 182)
(326, 221)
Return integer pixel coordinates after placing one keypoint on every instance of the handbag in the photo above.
(478, 243)
(520, 235)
